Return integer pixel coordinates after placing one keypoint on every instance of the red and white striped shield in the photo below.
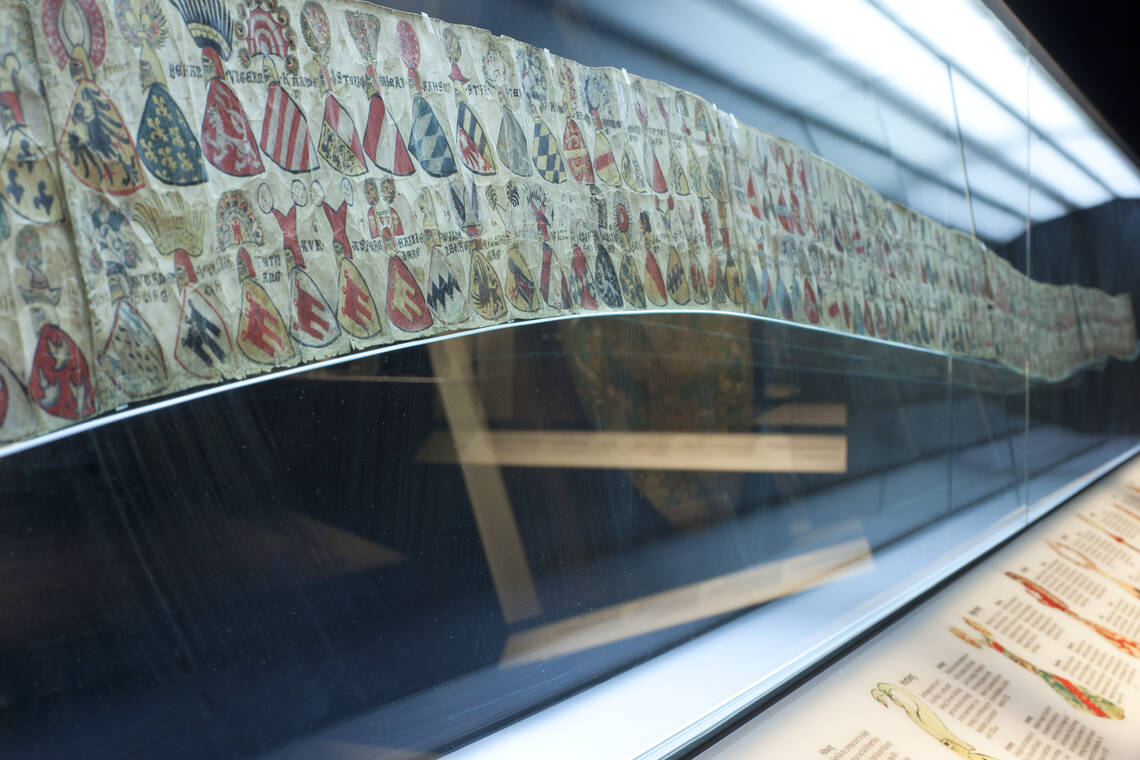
(285, 133)
(383, 141)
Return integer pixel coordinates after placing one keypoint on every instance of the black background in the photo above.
(1096, 45)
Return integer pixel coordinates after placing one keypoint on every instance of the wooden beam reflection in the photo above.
(696, 601)
(805, 415)
(710, 452)
(486, 490)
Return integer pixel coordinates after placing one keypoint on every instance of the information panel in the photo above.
(1032, 655)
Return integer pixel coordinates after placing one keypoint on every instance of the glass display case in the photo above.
(502, 379)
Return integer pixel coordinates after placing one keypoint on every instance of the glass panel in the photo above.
(445, 537)
(398, 554)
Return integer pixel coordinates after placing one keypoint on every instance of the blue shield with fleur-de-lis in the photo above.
(428, 142)
(167, 146)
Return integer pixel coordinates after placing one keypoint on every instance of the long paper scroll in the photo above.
(199, 190)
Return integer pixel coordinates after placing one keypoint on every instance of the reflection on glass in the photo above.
(400, 553)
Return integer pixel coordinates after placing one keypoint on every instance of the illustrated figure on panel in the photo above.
(511, 144)
(94, 143)
(356, 309)
(554, 284)
(599, 101)
(131, 355)
(654, 281)
(676, 280)
(1048, 599)
(59, 381)
(1081, 560)
(470, 137)
(313, 321)
(1075, 696)
(28, 181)
(632, 287)
(227, 140)
(445, 294)
(584, 283)
(677, 179)
(203, 346)
(573, 143)
(427, 140)
(285, 135)
(545, 153)
(262, 335)
(924, 718)
(641, 110)
(167, 145)
(698, 177)
(384, 141)
(405, 304)
(606, 284)
(339, 143)
(623, 148)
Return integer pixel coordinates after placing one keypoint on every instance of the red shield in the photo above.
(59, 381)
(405, 303)
(227, 140)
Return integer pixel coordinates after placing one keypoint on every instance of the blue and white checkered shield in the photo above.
(545, 154)
(428, 142)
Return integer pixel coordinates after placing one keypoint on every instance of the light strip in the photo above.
(873, 73)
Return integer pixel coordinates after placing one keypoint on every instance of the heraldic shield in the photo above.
(59, 382)
(631, 285)
(511, 144)
(405, 301)
(582, 277)
(30, 186)
(227, 140)
(428, 142)
(96, 146)
(285, 133)
(675, 281)
(605, 279)
(474, 147)
(340, 142)
(577, 155)
(314, 323)
(262, 336)
(356, 308)
(486, 292)
(167, 146)
(522, 291)
(203, 346)
(383, 141)
(132, 356)
(444, 292)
